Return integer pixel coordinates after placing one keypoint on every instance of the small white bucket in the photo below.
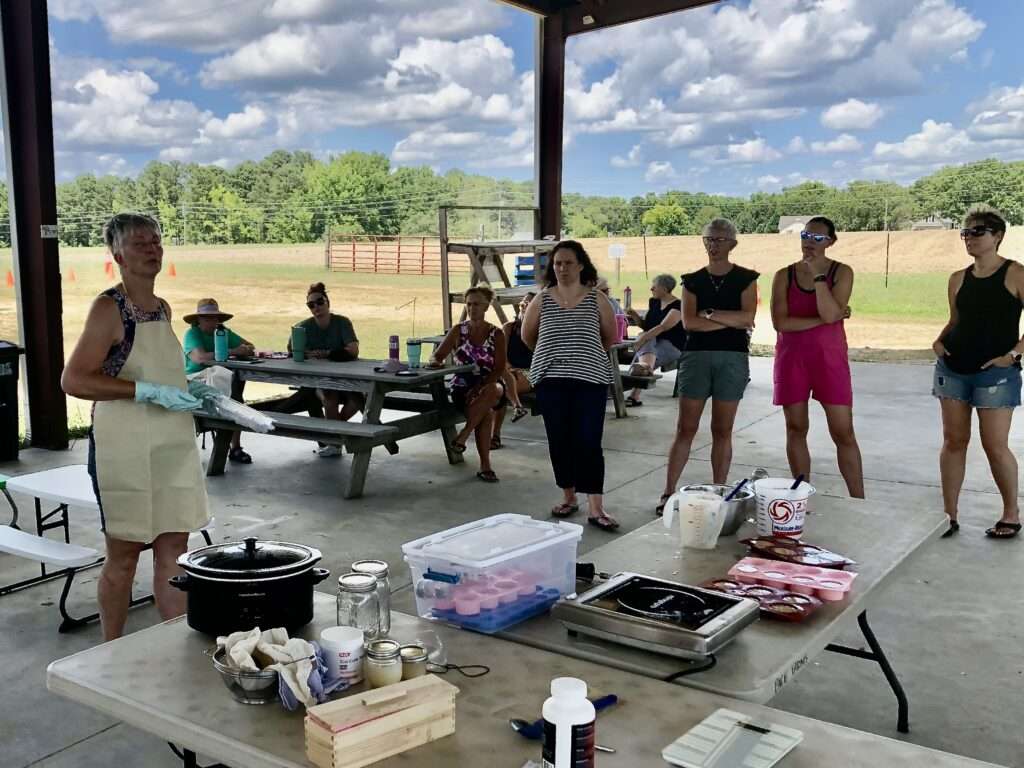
(781, 509)
(701, 515)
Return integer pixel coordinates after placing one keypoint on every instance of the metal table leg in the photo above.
(188, 758)
(877, 655)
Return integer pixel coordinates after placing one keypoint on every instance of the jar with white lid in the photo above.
(358, 604)
(379, 570)
(382, 664)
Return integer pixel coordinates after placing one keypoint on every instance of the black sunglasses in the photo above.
(317, 302)
(978, 231)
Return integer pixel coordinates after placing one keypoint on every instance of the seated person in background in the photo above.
(663, 339)
(329, 337)
(516, 378)
(199, 361)
(602, 286)
(479, 393)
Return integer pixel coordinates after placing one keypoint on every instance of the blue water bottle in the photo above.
(220, 344)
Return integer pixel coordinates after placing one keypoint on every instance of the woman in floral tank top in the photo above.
(479, 393)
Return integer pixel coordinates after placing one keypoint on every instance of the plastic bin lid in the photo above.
(492, 540)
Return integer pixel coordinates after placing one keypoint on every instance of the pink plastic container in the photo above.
(824, 583)
(508, 590)
(467, 603)
(489, 598)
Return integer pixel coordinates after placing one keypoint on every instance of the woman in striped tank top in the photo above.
(570, 326)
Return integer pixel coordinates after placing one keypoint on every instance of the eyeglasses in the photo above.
(978, 231)
(805, 235)
(317, 302)
(717, 240)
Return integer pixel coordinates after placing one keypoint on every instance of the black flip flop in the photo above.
(995, 531)
(603, 522)
(458, 447)
(631, 403)
(565, 510)
(954, 528)
(239, 456)
(487, 476)
(520, 413)
(660, 509)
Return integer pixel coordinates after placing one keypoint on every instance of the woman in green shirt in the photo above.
(330, 337)
(199, 359)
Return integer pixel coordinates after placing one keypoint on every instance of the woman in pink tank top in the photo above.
(810, 301)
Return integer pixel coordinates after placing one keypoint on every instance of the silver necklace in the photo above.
(717, 284)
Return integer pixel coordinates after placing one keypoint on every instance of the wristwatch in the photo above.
(820, 278)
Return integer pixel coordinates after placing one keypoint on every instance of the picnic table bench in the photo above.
(420, 392)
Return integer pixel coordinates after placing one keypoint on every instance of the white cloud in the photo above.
(844, 142)
(768, 182)
(660, 173)
(934, 142)
(631, 160)
(796, 145)
(852, 115)
(237, 125)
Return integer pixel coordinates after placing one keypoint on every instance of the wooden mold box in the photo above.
(365, 727)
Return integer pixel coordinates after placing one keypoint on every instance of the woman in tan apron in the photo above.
(142, 449)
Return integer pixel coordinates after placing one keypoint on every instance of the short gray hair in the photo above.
(123, 224)
(666, 282)
(721, 225)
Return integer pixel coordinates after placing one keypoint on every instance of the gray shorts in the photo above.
(718, 375)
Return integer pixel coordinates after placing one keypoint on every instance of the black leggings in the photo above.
(573, 412)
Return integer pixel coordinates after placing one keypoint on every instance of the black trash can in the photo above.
(9, 437)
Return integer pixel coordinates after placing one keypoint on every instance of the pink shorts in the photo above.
(803, 371)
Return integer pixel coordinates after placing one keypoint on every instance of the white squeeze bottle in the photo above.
(568, 726)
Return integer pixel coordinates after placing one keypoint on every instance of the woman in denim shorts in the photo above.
(719, 304)
(978, 366)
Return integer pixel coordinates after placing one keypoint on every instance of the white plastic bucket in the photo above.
(781, 509)
(701, 516)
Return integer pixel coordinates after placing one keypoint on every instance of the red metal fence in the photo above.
(387, 254)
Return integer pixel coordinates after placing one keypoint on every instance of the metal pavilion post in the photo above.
(28, 123)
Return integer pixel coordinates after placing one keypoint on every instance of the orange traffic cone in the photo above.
(108, 268)
(71, 276)
(172, 272)
(10, 279)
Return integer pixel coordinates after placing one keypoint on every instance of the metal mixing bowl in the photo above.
(247, 687)
(737, 510)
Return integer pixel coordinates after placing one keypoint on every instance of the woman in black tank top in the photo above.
(978, 366)
(515, 376)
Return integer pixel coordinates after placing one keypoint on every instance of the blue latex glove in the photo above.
(166, 396)
(202, 391)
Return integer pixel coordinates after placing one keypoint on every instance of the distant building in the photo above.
(793, 225)
(932, 222)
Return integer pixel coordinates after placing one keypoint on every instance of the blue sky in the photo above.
(739, 97)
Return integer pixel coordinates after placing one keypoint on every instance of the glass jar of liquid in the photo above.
(382, 664)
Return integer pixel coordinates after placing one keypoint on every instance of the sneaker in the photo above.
(330, 450)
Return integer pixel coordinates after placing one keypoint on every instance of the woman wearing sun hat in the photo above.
(199, 358)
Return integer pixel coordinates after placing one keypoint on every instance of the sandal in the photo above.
(487, 475)
(640, 370)
(239, 456)
(954, 528)
(565, 509)
(458, 447)
(496, 443)
(603, 522)
(519, 413)
(632, 403)
(1003, 530)
(660, 509)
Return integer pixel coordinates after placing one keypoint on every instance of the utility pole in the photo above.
(184, 224)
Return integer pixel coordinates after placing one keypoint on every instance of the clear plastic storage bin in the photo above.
(493, 573)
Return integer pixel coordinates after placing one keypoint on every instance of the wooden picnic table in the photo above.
(423, 393)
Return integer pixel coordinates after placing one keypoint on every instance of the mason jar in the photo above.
(379, 570)
(358, 605)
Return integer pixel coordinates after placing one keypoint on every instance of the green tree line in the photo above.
(293, 197)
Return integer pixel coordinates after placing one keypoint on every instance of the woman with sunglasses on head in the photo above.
(978, 366)
(329, 337)
(570, 326)
(718, 309)
(479, 394)
(810, 301)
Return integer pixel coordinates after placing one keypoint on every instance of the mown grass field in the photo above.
(265, 287)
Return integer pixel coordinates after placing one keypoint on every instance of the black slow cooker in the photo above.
(239, 585)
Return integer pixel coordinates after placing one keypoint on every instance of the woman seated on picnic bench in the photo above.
(663, 339)
(199, 359)
(329, 337)
(480, 393)
(517, 372)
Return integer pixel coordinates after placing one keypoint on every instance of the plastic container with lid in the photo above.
(568, 725)
(451, 568)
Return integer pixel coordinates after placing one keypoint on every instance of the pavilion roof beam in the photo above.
(610, 13)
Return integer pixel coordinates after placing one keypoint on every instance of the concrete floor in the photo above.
(952, 622)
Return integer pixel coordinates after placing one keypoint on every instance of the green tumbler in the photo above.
(298, 343)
